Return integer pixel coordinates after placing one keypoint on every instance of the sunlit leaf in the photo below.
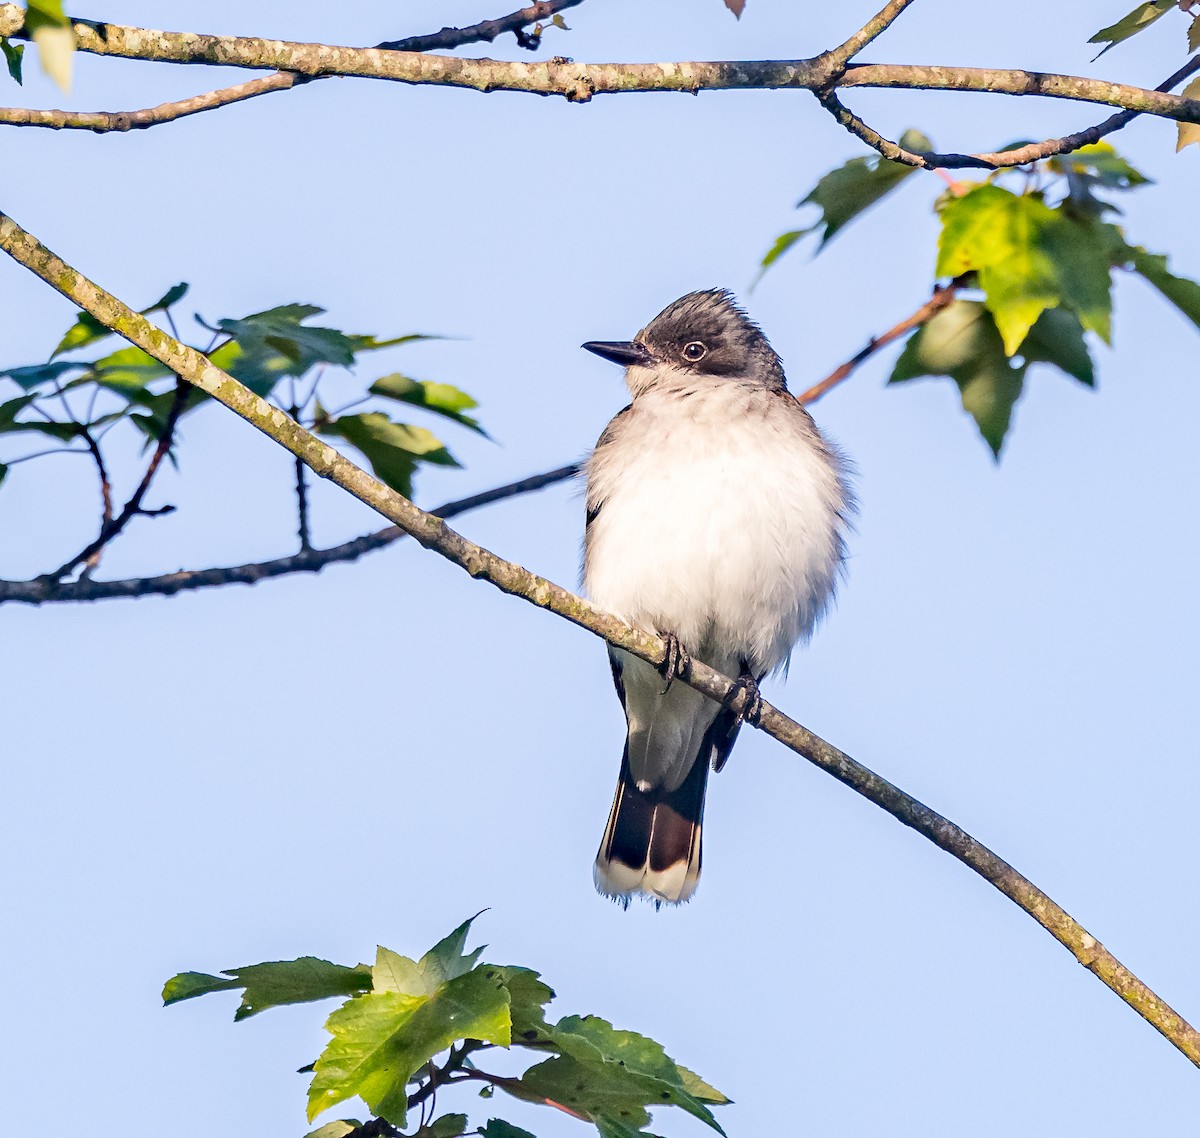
(87, 329)
(189, 985)
(1189, 132)
(440, 398)
(1194, 34)
(382, 1038)
(338, 1129)
(1028, 258)
(50, 29)
(1136, 21)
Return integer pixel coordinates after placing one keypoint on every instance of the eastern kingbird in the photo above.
(716, 514)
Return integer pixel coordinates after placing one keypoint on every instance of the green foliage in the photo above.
(1038, 253)
(272, 352)
(12, 57)
(401, 1015)
(1137, 21)
(844, 193)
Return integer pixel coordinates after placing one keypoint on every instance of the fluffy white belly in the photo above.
(721, 525)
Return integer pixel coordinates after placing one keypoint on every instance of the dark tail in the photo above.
(652, 843)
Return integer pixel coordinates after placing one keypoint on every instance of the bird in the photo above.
(717, 516)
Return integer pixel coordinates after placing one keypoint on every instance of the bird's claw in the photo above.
(744, 699)
(676, 662)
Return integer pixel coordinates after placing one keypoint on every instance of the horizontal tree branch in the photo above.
(46, 590)
(579, 82)
(1017, 156)
(434, 534)
(103, 122)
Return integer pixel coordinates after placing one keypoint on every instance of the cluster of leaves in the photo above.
(408, 1028)
(1138, 21)
(49, 28)
(263, 350)
(1030, 254)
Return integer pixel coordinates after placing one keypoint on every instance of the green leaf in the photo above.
(188, 985)
(382, 1039)
(127, 373)
(1138, 20)
(618, 1128)
(498, 1128)
(962, 342)
(447, 1126)
(1189, 132)
(11, 409)
(440, 398)
(12, 57)
(1101, 163)
(699, 1089)
(277, 343)
(527, 998)
(372, 344)
(273, 984)
(782, 244)
(1028, 258)
(1057, 338)
(844, 193)
(173, 295)
(35, 374)
(392, 449)
(338, 1129)
(1180, 291)
(445, 961)
(1194, 34)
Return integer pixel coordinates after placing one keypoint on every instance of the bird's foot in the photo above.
(677, 661)
(743, 699)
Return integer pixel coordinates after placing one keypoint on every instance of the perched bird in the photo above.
(716, 515)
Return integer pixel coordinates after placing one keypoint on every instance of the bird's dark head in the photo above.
(703, 334)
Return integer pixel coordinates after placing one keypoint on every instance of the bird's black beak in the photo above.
(627, 353)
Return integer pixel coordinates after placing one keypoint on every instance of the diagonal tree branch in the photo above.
(102, 122)
(579, 82)
(433, 533)
(1017, 156)
(941, 298)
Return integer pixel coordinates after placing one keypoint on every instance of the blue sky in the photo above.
(320, 764)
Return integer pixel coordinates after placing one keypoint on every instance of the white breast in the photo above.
(720, 520)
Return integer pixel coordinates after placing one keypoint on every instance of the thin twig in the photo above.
(301, 492)
(941, 298)
(1017, 156)
(45, 590)
(103, 122)
(134, 506)
(433, 533)
(837, 59)
(106, 515)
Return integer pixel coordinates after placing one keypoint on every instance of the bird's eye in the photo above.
(694, 351)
